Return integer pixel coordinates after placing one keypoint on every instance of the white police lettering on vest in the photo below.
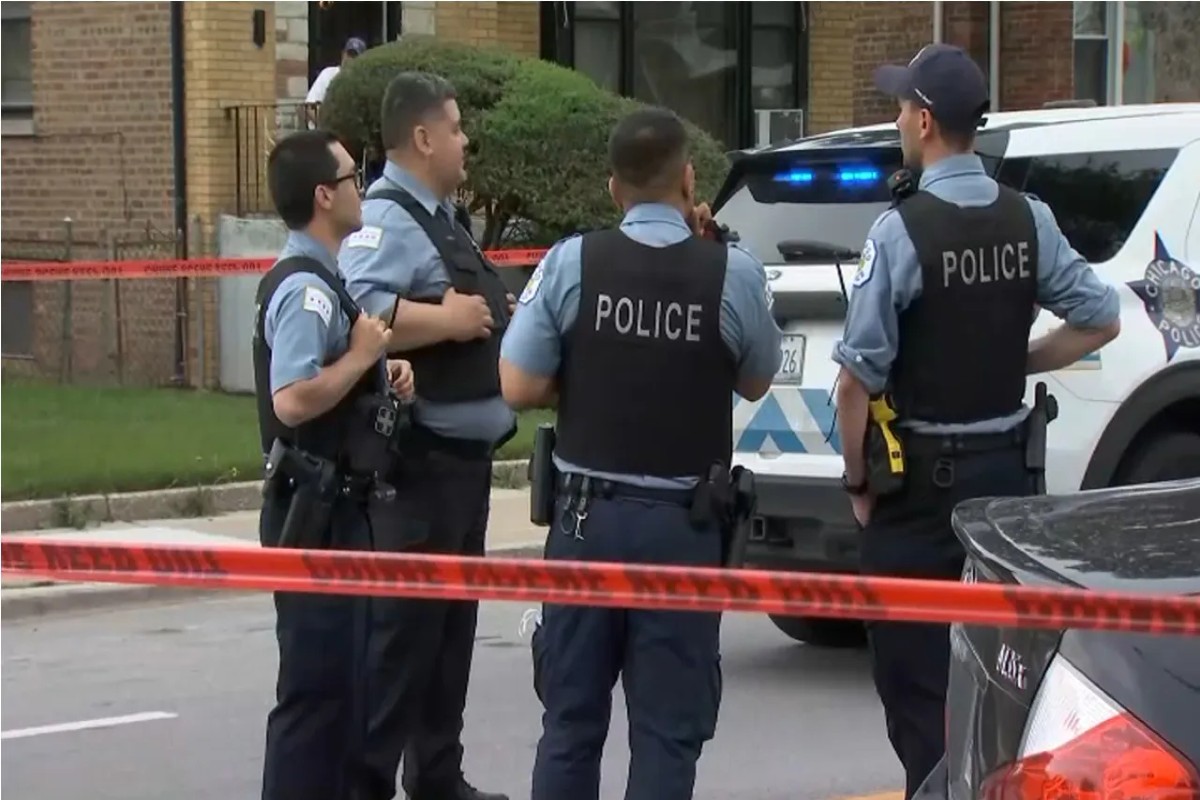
(1006, 262)
(657, 320)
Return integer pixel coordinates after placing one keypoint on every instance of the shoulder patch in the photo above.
(368, 236)
(534, 283)
(866, 263)
(319, 303)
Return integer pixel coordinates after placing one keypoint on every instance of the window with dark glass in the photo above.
(775, 40)
(1097, 198)
(598, 43)
(715, 63)
(685, 57)
(16, 72)
(1091, 51)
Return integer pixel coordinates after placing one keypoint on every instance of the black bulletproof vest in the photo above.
(964, 341)
(647, 382)
(453, 372)
(324, 435)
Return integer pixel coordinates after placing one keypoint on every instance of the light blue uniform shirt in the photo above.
(1066, 284)
(304, 325)
(392, 257)
(549, 307)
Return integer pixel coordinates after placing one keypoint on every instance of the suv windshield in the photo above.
(829, 196)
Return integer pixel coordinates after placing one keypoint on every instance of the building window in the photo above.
(1093, 78)
(685, 57)
(598, 43)
(16, 73)
(714, 63)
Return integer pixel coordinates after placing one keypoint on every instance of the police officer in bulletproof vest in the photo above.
(934, 361)
(327, 419)
(419, 268)
(640, 335)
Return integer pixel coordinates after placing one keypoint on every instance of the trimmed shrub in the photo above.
(352, 104)
(537, 164)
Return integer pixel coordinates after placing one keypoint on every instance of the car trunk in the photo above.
(1134, 539)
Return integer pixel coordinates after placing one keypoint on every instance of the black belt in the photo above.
(949, 444)
(572, 484)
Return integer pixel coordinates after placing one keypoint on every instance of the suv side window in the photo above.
(1097, 198)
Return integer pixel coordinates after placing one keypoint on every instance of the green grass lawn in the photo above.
(71, 440)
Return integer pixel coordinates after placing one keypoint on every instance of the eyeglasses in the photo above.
(355, 176)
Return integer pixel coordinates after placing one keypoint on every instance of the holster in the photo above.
(1044, 411)
(312, 485)
(543, 477)
(727, 497)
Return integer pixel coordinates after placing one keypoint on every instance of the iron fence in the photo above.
(256, 128)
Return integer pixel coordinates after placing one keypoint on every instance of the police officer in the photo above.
(939, 320)
(640, 335)
(315, 356)
(419, 269)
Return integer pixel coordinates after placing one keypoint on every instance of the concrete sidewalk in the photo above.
(509, 533)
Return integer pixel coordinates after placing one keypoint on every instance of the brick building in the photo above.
(143, 122)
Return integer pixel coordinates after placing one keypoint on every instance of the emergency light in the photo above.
(855, 176)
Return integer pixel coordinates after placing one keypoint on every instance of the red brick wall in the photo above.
(1035, 49)
(1036, 56)
(887, 33)
(100, 154)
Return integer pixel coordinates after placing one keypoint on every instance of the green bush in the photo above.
(539, 135)
(352, 104)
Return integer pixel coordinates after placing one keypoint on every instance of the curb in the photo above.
(64, 598)
(199, 501)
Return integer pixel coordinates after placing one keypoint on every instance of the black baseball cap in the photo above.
(355, 45)
(943, 79)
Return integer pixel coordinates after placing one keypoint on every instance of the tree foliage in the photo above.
(537, 161)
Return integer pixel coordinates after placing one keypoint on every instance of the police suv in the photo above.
(1123, 184)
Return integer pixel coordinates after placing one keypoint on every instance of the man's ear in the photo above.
(614, 192)
(689, 183)
(420, 140)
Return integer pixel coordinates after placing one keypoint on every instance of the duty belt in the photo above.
(949, 444)
(573, 484)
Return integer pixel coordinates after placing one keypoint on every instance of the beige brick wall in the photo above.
(512, 25)
(224, 69)
(831, 73)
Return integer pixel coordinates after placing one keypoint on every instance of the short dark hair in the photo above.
(409, 99)
(297, 165)
(960, 137)
(647, 148)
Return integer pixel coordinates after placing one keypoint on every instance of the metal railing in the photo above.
(256, 128)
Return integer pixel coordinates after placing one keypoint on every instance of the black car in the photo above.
(1076, 714)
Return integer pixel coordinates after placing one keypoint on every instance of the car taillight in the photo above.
(1081, 745)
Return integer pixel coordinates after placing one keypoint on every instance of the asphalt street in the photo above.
(183, 690)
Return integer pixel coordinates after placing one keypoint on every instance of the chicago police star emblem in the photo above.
(1170, 291)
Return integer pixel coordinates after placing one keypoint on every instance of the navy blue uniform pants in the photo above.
(909, 535)
(420, 654)
(318, 721)
(668, 661)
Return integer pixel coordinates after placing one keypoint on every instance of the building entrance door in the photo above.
(330, 24)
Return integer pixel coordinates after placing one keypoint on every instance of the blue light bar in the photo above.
(858, 175)
(795, 176)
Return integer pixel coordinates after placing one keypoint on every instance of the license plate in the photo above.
(791, 359)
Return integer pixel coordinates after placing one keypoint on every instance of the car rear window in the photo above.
(829, 195)
(1097, 198)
